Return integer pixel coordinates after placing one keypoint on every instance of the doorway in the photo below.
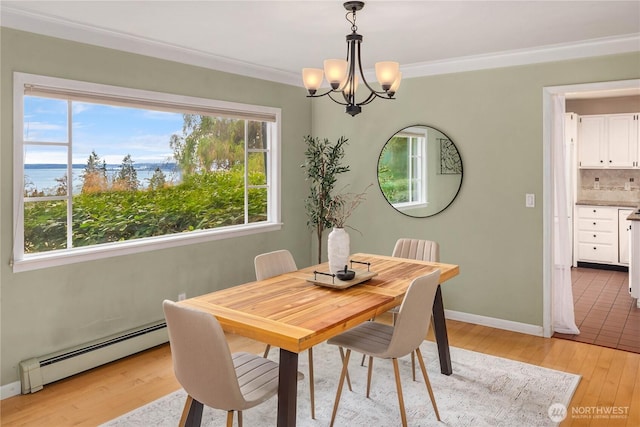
(614, 87)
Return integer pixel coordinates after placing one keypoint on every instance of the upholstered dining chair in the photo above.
(423, 250)
(272, 264)
(208, 372)
(384, 341)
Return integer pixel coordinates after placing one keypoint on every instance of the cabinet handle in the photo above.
(594, 223)
(594, 235)
(594, 248)
(601, 161)
(594, 211)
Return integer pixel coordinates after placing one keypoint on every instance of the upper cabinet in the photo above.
(608, 141)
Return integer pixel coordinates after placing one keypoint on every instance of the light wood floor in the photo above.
(610, 378)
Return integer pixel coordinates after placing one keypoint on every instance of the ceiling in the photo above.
(274, 40)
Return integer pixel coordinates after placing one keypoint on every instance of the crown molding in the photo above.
(73, 31)
(559, 52)
(55, 27)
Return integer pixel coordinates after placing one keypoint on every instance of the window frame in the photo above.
(414, 178)
(25, 262)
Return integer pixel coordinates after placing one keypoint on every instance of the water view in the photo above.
(42, 177)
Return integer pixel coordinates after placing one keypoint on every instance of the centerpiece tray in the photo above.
(329, 281)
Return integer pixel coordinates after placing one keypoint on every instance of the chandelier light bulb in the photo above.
(395, 85)
(312, 79)
(336, 71)
(349, 88)
(387, 73)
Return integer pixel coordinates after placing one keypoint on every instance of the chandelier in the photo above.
(341, 73)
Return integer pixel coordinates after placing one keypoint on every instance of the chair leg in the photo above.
(369, 371)
(348, 379)
(311, 388)
(427, 382)
(266, 351)
(413, 365)
(239, 418)
(396, 371)
(343, 374)
(362, 361)
(229, 418)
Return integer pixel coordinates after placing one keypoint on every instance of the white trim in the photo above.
(547, 212)
(56, 27)
(25, 262)
(60, 28)
(108, 250)
(492, 322)
(560, 52)
(10, 390)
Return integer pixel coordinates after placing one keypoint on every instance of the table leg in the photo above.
(287, 388)
(440, 329)
(194, 416)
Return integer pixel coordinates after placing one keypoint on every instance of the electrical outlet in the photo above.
(596, 184)
(627, 186)
(182, 296)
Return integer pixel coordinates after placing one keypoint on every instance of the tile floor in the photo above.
(605, 312)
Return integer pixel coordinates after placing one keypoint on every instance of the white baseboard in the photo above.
(492, 322)
(14, 389)
(10, 390)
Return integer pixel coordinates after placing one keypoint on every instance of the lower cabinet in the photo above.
(624, 234)
(599, 233)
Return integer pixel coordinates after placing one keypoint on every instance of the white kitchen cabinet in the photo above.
(597, 234)
(622, 137)
(591, 141)
(624, 233)
(608, 141)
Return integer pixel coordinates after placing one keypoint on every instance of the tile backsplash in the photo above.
(611, 183)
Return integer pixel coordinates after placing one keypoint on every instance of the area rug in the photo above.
(482, 391)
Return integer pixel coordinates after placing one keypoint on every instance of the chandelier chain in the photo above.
(354, 27)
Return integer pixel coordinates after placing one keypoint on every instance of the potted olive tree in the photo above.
(323, 164)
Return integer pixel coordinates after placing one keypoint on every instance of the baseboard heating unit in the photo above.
(38, 371)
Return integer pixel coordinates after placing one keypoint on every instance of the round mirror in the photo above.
(420, 171)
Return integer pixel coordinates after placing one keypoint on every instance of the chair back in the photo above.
(273, 264)
(424, 250)
(202, 361)
(412, 321)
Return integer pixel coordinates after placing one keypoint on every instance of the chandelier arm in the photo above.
(335, 100)
(320, 95)
(373, 91)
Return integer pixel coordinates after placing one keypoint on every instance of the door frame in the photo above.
(547, 187)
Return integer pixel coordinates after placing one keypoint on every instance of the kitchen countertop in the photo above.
(608, 203)
(635, 216)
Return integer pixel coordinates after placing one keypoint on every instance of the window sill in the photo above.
(58, 258)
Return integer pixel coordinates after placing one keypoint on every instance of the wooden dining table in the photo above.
(292, 312)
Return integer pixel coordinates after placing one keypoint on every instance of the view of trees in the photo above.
(210, 154)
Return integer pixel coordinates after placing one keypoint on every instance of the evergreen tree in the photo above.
(157, 180)
(127, 177)
(94, 178)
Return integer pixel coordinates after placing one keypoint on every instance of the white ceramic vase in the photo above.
(338, 249)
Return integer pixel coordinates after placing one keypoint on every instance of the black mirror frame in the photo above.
(461, 172)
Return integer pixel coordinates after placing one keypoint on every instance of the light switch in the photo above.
(530, 200)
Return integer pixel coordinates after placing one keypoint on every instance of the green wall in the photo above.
(495, 119)
(493, 116)
(52, 309)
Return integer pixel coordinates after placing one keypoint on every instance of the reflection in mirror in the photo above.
(420, 171)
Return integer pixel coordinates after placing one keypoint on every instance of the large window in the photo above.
(404, 176)
(103, 170)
